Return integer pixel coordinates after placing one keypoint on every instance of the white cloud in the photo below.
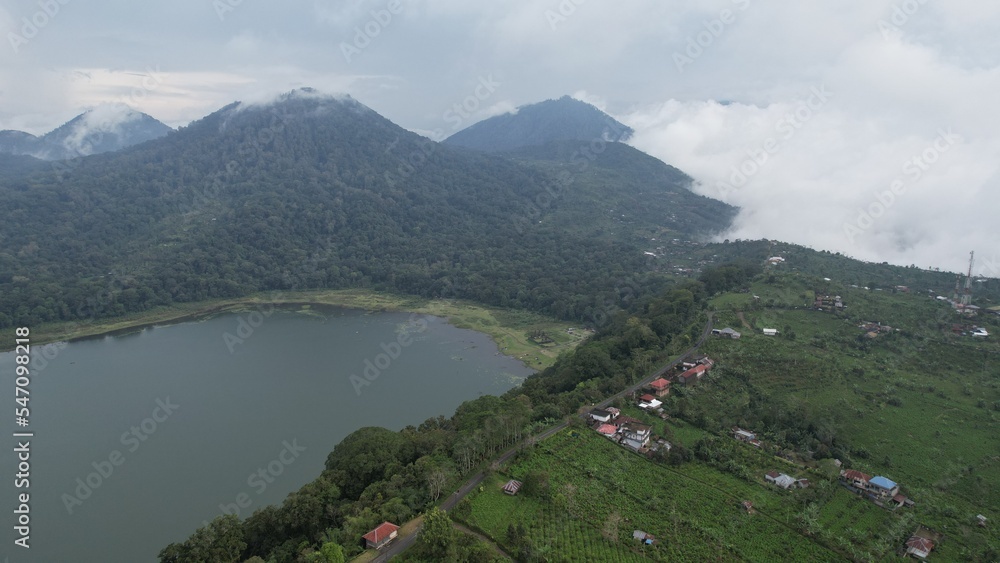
(938, 68)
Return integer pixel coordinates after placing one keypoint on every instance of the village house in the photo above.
(919, 547)
(780, 479)
(659, 387)
(381, 536)
(512, 487)
(692, 375)
(726, 333)
(827, 303)
(697, 360)
(607, 430)
(648, 402)
(770, 332)
(635, 435)
(645, 538)
(882, 488)
(879, 489)
(856, 479)
(600, 415)
(901, 500)
(745, 436)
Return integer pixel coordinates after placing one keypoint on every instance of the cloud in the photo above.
(890, 168)
(102, 120)
(899, 71)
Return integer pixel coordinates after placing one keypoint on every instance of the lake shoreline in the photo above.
(508, 329)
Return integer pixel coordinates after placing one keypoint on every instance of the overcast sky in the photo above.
(861, 126)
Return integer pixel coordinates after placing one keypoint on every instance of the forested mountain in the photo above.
(17, 142)
(102, 129)
(541, 123)
(621, 192)
(12, 166)
(315, 192)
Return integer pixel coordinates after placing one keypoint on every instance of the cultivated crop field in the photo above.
(598, 493)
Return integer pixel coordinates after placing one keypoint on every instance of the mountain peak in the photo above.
(562, 119)
(103, 128)
(302, 97)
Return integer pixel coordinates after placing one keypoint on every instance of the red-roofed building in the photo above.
(512, 487)
(660, 387)
(693, 374)
(919, 547)
(855, 478)
(647, 398)
(607, 430)
(381, 536)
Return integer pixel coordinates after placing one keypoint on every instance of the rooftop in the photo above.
(383, 531)
(882, 482)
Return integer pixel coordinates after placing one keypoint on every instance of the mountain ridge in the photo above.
(562, 119)
(105, 128)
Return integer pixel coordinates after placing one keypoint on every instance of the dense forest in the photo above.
(313, 192)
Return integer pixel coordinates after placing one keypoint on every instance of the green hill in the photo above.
(539, 124)
(313, 191)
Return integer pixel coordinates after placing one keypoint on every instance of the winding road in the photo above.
(403, 543)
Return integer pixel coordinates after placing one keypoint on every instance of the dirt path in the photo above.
(743, 320)
(485, 539)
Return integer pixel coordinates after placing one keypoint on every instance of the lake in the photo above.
(141, 438)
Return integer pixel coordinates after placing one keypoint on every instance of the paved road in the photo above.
(477, 479)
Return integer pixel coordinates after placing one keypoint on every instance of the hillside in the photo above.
(309, 191)
(614, 190)
(918, 405)
(106, 128)
(541, 123)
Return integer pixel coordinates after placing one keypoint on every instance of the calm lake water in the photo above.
(170, 423)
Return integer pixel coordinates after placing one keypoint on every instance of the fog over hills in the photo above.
(105, 128)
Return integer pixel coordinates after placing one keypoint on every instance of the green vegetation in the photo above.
(597, 493)
(314, 193)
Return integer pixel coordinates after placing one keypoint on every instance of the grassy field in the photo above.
(511, 330)
(599, 493)
(918, 405)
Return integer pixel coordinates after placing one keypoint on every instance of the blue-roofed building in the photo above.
(883, 487)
